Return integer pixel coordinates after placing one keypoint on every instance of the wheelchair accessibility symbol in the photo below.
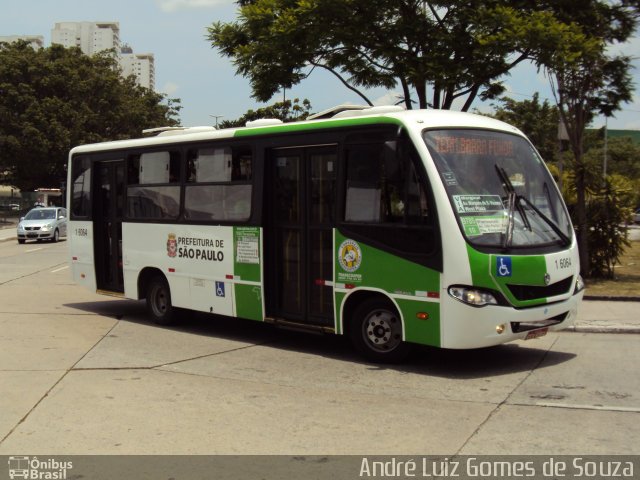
(503, 266)
(219, 289)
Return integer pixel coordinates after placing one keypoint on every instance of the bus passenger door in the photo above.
(299, 240)
(107, 225)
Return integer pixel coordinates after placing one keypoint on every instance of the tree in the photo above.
(586, 81)
(538, 121)
(55, 98)
(457, 50)
(285, 111)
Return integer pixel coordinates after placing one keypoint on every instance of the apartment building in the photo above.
(141, 65)
(90, 37)
(94, 37)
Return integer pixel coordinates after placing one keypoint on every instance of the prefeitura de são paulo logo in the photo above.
(172, 245)
(350, 255)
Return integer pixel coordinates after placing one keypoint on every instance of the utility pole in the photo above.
(216, 117)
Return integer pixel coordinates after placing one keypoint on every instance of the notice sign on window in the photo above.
(478, 203)
(247, 245)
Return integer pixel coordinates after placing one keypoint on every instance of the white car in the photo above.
(636, 216)
(43, 223)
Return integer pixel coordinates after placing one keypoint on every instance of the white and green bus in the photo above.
(392, 227)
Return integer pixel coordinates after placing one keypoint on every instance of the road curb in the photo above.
(602, 329)
(607, 298)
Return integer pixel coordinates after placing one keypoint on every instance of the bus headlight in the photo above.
(473, 296)
(579, 284)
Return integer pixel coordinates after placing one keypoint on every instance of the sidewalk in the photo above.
(8, 229)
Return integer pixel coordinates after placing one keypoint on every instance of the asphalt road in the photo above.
(87, 374)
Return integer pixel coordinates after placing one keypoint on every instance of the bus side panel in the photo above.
(421, 321)
(81, 257)
(196, 261)
(210, 269)
(247, 267)
(415, 289)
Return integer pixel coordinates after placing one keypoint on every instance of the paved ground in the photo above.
(90, 375)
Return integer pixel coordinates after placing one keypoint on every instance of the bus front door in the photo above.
(299, 241)
(107, 225)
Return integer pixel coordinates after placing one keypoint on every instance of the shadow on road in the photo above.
(456, 364)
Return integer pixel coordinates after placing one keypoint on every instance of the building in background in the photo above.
(94, 37)
(90, 37)
(141, 65)
(36, 41)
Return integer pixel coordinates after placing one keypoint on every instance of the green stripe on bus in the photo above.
(310, 126)
(248, 301)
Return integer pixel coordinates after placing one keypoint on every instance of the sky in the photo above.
(188, 68)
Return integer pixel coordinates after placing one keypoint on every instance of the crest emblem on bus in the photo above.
(547, 279)
(172, 245)
(349, 256)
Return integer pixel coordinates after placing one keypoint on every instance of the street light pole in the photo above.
(216, 117)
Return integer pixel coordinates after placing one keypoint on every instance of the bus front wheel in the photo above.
(376, 332)
(159, 301)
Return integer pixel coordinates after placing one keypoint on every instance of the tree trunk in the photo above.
(581, 217)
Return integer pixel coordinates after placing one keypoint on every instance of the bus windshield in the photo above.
(500, 190)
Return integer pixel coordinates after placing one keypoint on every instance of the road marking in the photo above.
(33, 250)
(589, 407)
(60, 269)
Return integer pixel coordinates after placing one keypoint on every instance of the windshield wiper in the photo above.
(512, 204)
(554, 226)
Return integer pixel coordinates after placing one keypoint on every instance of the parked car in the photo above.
(43, 223)
(636, 216)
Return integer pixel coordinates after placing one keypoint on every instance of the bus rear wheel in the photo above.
(376, 332)
(159, 301)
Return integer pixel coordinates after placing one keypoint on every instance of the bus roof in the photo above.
(410, 119)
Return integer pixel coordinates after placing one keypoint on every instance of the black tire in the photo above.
(376, 332)
(21, 241)
(56, 236)
(159, 301)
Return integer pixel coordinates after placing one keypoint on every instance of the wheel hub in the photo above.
(382, 331)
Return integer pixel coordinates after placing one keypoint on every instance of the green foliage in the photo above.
(286, 111)
(608, 207)
(458, 50)
(538, 121)
(55, 98)
(609, 210)
(589, 83)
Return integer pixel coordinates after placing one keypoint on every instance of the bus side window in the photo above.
(81, 187)
(383, 186)
(363, 184)
(219, 184)
(153, 190)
